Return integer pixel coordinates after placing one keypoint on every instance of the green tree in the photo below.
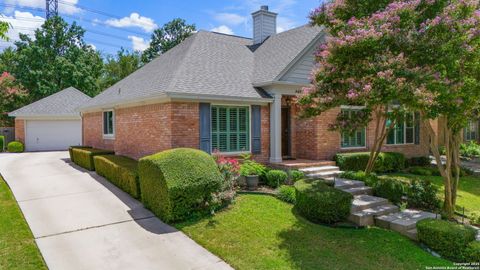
(168, 36)
(119, 66)
(56, 58)
(4, 26)
(427, 51)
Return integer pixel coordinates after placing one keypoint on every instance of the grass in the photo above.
(17, 246)
(468, 194)
(262, 232)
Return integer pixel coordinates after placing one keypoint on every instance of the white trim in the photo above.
(249, 129)
(47, 117)
(348, 107)
(404, 134)
(353, 108)
(280, 83)
(352, 148)
(108, 136)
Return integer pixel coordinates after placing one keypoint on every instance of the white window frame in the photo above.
(236, 153)
(112, 135)
(404, 133)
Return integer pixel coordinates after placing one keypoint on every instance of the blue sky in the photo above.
(128, 23)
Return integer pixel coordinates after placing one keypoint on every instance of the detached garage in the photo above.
(52, 123)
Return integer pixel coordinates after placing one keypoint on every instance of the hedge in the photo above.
(70, 152)
(15, 147)
(320, 203)
(121, 171)
(178, 183)
(386, 161)
(84, 157)
(275, 178)
(389, 188)
(2, 143)
(472, 252)
(447, 238)
(286, 194)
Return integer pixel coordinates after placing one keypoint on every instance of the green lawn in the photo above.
(468, 191)
(17, 246)
(262, 232)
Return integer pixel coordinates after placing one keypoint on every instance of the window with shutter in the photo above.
(230, 129)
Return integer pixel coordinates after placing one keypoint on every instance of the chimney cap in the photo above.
(264, 7)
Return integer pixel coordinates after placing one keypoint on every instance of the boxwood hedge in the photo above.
(2, 143)
(83, 157)
(386, 161)
(178, 183)
(320, 203)
(15, 147)
(121, 171)
(447, 238)
(70, 150)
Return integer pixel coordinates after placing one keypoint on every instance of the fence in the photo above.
(9, 133)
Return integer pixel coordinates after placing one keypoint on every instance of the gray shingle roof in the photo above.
(210, 64)
(64, 104)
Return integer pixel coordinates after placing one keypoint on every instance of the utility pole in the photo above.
(51, 8)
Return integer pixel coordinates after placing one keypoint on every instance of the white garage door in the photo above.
(48, 135)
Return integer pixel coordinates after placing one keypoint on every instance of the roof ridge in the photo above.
(50, 96)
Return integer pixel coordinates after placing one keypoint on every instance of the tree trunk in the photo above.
(381, 132)
(450, 177)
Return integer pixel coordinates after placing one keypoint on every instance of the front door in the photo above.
(286, 132)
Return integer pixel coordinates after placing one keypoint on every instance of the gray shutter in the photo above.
(256, 129)
(417, 128)
(205, 130)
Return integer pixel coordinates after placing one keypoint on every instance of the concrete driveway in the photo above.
(81, 221)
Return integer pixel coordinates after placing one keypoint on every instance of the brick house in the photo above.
(234, 94)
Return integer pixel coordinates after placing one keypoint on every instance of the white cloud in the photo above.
(230, 18)
(67, 7)
(138, 43)
(134, 20)
(284, 24)
(22, 22)
(223, 29)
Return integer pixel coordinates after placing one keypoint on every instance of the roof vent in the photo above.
(264, 24)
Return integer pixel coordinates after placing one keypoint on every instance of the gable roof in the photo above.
(209, 64)
(61, 104)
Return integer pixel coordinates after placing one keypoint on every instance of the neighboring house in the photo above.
(232, 94)
(52, 123)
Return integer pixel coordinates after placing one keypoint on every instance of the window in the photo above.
(470, 133)
(404, 130)
(230, 129)
(355, 139)
(108, 123)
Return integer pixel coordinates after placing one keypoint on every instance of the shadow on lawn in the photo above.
(143, 217)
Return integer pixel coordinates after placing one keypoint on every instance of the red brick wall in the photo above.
(145, 130)
(20, 130)
(315, 141)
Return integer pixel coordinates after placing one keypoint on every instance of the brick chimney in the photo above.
(264, 24)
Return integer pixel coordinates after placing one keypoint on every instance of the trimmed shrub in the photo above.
(296, 175)
(369, 180)
(83, 157)
(15, 147)
(386, 161)
(389, 188)
(418, 161)
(178, 183)
(472, 252)
(2, 143)
(276, 178)
(121, 171)
(320, 203)
(422, 194)
(470, 149)
(447, 238)
(286, 194)
(70, 152)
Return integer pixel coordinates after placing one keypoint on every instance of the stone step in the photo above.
(359, 190)
(404, 221)
(366, 217)
(323, 175)
(341, 183)
(319, 169)
(412, 234)
(362, 202)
